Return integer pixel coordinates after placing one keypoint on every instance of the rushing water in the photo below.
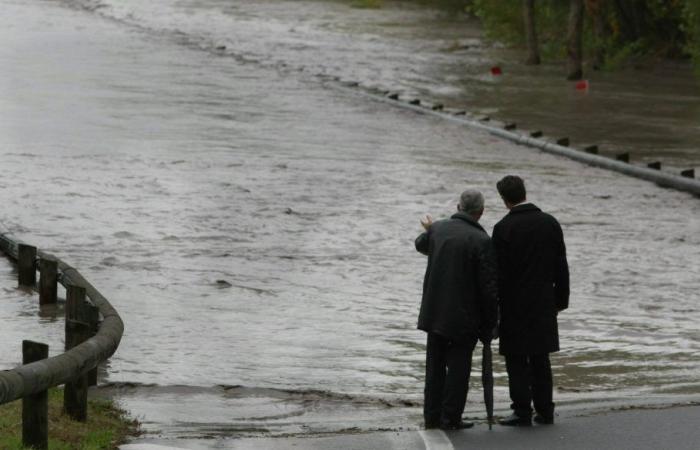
(254, 226)
(653, 113)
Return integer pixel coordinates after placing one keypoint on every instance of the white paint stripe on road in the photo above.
(435, 440)
(148, 447)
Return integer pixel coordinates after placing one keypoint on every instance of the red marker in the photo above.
(582, 85)
(495, 70)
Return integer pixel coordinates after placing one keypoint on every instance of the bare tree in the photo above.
(533, 47)
(596, 9)
(574, 46)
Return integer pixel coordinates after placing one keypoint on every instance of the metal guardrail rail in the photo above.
(665, 179)
(39, 376)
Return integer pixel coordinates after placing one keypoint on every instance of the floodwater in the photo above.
(254, 225)
(431, 55)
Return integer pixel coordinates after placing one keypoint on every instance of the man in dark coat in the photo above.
(533, 285)
(459, 305)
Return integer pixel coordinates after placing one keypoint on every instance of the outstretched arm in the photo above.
(422, 241)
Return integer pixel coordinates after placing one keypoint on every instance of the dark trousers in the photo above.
(447, 368)
(530, 381)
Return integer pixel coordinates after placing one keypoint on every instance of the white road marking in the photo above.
(436, 440)
(148, 447)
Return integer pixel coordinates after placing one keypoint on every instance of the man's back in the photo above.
(458, 288)
(533, 279)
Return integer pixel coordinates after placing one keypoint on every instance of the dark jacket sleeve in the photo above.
(500, 251)
(422, 242)
(488, 287)
(561, 278)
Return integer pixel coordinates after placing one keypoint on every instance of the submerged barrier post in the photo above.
(75, 392)
(690, 173)
(26, 262)
(510, 126)
(48, 281)
(656, 165)
(592, 149)
(35, 407)
(564, 142)
(624, 157)
(662, 178)
(536, 134)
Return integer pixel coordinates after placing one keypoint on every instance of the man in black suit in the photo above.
(533, 286)
(458, 307)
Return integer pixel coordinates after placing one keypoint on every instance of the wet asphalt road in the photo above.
(673, 428)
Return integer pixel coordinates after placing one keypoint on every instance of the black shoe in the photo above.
(461, 425)
(516, 421)
(431, 425)
(543, 420)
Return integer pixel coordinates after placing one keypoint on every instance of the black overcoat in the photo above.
(533, 280)
(460, 288)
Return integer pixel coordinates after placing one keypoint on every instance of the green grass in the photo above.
(107, 426)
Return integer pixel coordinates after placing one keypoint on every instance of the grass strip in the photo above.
(107, 427)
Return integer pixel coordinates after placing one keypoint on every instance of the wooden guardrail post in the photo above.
(48, 281)
(90, 314)
(26, 262)
(35, 407)
(75, 391)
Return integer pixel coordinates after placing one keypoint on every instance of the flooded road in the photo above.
(254, 227)
(428, 54)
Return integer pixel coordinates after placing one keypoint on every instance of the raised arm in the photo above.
(423, 241)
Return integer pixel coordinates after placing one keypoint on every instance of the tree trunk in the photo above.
(596, 9)
(533, 47)
(574, 46)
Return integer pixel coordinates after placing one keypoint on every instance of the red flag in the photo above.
(495, 70)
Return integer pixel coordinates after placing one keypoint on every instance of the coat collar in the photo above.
(469, 219)
(525, 207)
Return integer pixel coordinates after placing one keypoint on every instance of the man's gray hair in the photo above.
(471, 201)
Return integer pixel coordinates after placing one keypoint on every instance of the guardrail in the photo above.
(89, 342)
(685, 181)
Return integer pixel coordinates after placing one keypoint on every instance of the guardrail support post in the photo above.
(35, 407)
(26, 262)
(75, 392)
(48, 281)
(90, 314)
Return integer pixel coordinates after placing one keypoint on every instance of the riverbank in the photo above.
(638, 429)
(107, 426)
